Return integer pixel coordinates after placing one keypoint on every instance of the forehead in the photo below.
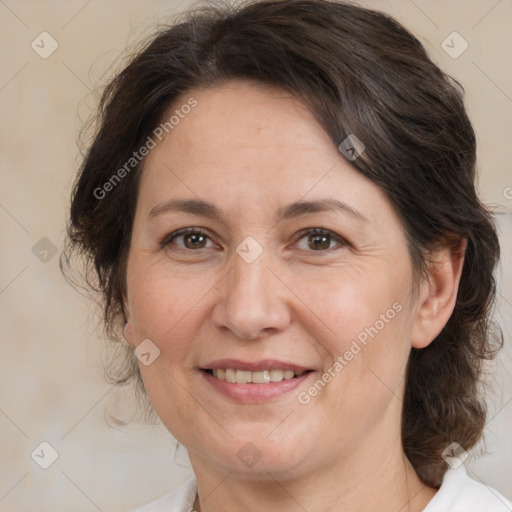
(261, 144)
(250, 122)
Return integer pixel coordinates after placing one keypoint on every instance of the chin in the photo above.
(254, 457)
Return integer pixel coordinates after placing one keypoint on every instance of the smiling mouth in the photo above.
(247, 377)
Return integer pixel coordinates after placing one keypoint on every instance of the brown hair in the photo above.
(359, 72)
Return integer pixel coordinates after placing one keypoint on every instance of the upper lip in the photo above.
(253, 366)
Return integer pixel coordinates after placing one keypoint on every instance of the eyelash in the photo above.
(312, 231)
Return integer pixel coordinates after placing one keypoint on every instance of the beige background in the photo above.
(51, 381)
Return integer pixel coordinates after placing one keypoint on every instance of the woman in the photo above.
(279, 212)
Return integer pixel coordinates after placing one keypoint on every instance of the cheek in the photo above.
(168, 308)
(355, 309)
(156, 297)
(366, 341)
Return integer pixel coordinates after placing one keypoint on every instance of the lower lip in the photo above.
(254, 393)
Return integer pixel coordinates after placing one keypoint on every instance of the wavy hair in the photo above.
(359, 72)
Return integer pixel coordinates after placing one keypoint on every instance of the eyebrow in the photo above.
(290, 211)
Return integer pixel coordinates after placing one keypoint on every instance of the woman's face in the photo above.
(256, 291)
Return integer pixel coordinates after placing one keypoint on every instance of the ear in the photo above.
(438, 293)
(128, 329)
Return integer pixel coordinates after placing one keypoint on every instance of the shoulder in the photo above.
(179, 500)
(461, 493)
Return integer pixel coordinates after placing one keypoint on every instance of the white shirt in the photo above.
(458, 493)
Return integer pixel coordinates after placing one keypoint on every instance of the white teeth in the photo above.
(276, 375)
(243, 377)
(261, 377)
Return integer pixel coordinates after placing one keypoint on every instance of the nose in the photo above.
(253, 301)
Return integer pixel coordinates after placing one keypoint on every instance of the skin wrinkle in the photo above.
(323, 452)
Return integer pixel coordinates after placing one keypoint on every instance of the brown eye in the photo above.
(192, 239)
(319, 240)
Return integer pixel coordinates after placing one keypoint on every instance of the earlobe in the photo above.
(438, 294)
(128, 333)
